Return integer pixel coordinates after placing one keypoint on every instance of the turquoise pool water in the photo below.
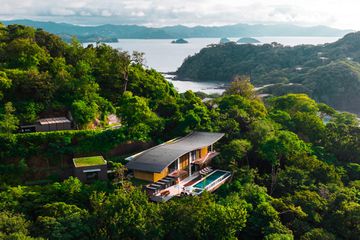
(209, 179)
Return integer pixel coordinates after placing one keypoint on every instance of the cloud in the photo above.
(201, 12)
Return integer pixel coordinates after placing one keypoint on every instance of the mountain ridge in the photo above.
(180, 31)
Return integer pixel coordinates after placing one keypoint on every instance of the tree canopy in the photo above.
(295, 162)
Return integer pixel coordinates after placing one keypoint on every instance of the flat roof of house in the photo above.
(46, 121)
(159, 157)
(89, 161)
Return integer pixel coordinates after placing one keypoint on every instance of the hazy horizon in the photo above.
(158, 13)
(173, 25)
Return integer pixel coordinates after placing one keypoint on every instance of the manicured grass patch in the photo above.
(89, 161)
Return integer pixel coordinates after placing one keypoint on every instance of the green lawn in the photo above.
(89, 161)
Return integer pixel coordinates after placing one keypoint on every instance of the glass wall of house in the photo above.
(174, 166)
(200, 153)
(185, 162)
(196, 154)
(193, 155)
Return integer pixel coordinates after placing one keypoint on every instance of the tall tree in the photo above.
(241, 85)
(8, 121)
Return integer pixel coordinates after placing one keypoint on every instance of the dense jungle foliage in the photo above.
(295, 162)
(329, 73)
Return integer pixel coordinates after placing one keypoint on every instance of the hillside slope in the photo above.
(295, 163)
(42, 76)
(328, 72)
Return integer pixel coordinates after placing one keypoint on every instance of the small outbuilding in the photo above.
(89, 169)
(47, 125)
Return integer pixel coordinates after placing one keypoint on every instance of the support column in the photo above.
(189, 163)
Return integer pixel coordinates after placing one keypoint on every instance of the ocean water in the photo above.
(206, 87)
(165, 57)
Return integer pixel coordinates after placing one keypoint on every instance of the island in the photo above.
(224, 40)
(248, 40)
(179, 41)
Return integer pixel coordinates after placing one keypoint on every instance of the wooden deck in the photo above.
(192, 181)
(186, 186)
(175, 190)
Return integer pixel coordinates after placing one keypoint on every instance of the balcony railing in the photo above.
(215, 182)
(208, 157)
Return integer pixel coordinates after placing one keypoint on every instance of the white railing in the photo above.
(215, 182)
(203, 159)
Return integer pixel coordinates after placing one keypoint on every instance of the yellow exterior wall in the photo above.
(151, 177)
(147, 176)
(158, 176)
(184, 162)
(198, 152)
(204, 151)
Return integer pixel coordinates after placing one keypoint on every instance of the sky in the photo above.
(342, 14)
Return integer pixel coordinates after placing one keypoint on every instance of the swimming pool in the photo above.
(212, 179)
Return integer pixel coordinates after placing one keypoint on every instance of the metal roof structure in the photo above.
(159, 157)
(57, 120)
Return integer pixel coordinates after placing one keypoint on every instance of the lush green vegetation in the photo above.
(328, 73)
(295, 162)
(40, 75)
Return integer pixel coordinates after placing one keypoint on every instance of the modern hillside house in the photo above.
(179, 164)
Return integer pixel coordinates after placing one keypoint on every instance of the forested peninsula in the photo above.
(328, 73)
(295, 162)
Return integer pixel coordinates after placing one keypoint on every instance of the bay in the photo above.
(166, 57)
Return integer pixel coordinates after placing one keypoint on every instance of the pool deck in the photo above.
(178, 189)
(175, 190)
